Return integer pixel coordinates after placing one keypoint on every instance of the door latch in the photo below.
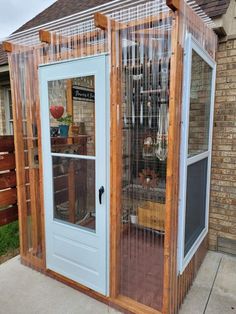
(101, 191)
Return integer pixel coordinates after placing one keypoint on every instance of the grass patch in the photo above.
(9, 237)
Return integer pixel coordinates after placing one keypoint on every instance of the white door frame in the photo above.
(44, 77)
(192, 44)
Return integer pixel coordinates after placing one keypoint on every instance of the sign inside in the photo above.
(81, 93)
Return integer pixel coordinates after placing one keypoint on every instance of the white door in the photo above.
(75, 169)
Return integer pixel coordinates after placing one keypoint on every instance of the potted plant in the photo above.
(64, 125)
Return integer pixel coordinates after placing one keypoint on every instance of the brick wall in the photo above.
(200, 99)
(223, 183)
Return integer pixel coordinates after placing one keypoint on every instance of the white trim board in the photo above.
(192, 45)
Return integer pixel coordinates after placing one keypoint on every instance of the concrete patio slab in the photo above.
(25, 291)
(219, 304)
(214, 289)
(197, 297)
(223, 296)
(225, 283)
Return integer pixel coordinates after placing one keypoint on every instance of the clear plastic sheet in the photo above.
(194, 21)
(143, 58)
(145, 76)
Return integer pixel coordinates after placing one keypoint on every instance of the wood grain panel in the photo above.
(6, 143)
(185, 280)
(7, 162)
(7, 180)
(8, 197)
(8, 215)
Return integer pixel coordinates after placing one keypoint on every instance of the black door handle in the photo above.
(101, 191)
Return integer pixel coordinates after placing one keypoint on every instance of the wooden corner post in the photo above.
(115, 157)
(19, 154)
(172, 179)
(113, 27)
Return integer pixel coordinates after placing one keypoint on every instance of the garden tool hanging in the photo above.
(162, 134)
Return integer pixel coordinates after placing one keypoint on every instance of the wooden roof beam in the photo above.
(10, 47)
(49, 37)
(101, 21)
(7, 46)
(174, 5)
(52, 38)
(44, 36)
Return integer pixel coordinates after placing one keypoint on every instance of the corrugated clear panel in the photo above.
(80, 40)
(194, 21)
(146, 53)
(24, 76)
(17, 66)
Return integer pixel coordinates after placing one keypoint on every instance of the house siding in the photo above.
(222, 223)
(2, 113)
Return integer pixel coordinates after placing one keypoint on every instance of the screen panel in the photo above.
(195, 202)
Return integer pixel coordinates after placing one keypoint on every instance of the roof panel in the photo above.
(63, 8)
(214, 8)
(60, 9)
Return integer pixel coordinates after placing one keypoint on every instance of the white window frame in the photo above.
(192, 45)
(8, 120)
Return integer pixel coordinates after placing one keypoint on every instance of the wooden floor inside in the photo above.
(142, 263)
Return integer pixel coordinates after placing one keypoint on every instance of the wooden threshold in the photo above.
(134, 306)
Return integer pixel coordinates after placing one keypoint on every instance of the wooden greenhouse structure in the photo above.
(113, 127)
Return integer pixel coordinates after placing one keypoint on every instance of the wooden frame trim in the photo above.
(115, 175)
(134, 306)
(115, 158)
(172, 177)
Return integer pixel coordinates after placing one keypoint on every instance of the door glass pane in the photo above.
(195, 202)
(74, 191)
(200, 102)
(72, 115)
